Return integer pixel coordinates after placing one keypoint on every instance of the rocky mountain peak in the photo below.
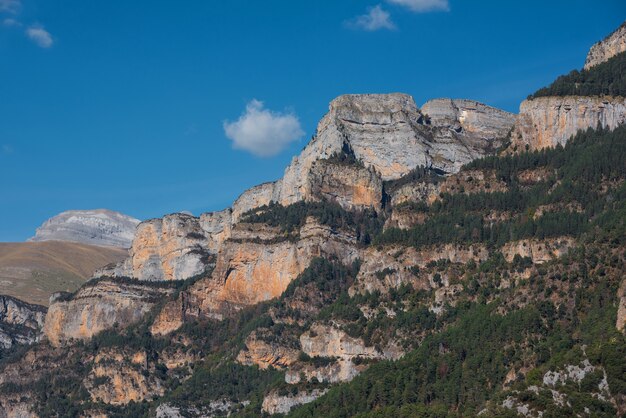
(607, 48)
(95, 227)
(372, 108)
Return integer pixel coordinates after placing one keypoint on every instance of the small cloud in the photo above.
(11, 23)
(423, 6)
(191, 130)
(7, 149)
(10, 6)
(375, 19)
(40, 36)
(263, 132)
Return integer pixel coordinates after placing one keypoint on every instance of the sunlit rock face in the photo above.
(612, 45)
(98, 306)
(550, 121)
(390, 135)
(95, 227)
(255, 267)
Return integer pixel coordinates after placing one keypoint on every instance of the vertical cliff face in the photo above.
(550, 121)
(174, 247)
(100, 305)
(389, 134)
(252, 267)
(607, 48)
(351, 186)
(20, 322)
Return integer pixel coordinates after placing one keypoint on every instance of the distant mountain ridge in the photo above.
(94, 227)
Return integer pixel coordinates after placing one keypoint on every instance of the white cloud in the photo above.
(7, 149)
(422, 6)
(376, 18)
(40, 36)
(263, 132)
(10, 6)
(11, 23)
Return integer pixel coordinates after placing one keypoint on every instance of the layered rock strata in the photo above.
(607, 48)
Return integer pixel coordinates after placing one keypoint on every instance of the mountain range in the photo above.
(446, 260)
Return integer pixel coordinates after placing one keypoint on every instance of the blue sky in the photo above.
(137, 106)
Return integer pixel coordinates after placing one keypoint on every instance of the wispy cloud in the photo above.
(40, 36)
(263, 132)
(11, 23)
(10, 6)
(7, 149)
(423, 6)
(376, 18)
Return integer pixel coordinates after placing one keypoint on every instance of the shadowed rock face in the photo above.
(20, 322)
(95, 227)
(607, 48)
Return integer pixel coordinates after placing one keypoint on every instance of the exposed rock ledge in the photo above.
(607, 48)
(20, 322)
(100, 305)
(550, 121)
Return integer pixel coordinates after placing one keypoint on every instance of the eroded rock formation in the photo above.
(551, 121)
(99, 305)
(607, 48)
(20, 322)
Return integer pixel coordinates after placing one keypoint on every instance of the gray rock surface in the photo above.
(20, 322)
(550, 121)
(607, 48)
(389, 134)
(95, 227)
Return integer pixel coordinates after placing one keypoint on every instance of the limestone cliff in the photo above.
(174, 247)
(254, 266)
(549, 121)
(351, 186)
(275, 403)
(20, 322)
(100, 304)
(607, 48)
(389, 134)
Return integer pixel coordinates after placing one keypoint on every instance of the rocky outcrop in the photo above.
(389, 134)
(348, 356)
(621, 309)
(467, 181)
(255, 266)
(550, 121)
(263, 353)
(539, 251)
(469, 117)
(99, 305)
(20, 322)
(351, 186)
(117, 378)
(275, 403)
(610, 46)
(387, 268)
(174, 247)
(95, 227)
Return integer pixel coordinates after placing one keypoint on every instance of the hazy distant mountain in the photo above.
(95, 227)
